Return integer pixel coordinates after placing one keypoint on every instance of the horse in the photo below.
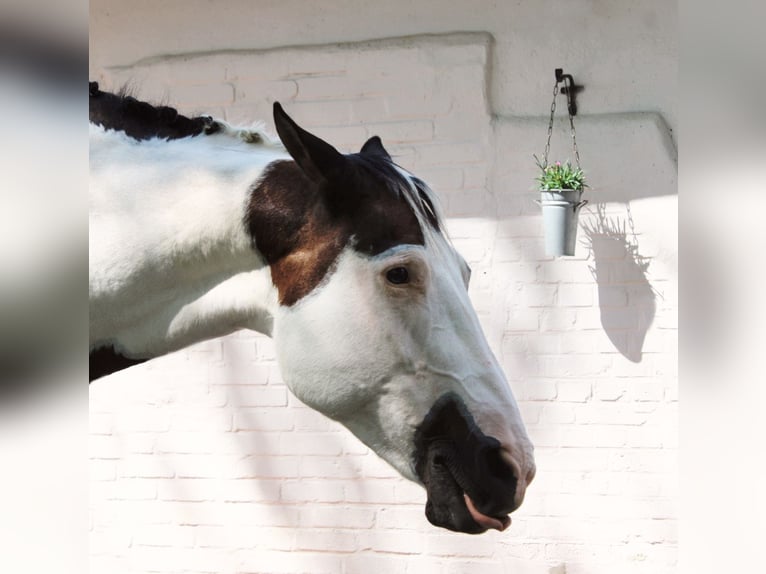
(199, 229)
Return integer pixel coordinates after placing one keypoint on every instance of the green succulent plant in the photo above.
(560, 176)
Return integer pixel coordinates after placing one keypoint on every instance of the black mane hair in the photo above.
(141, 120)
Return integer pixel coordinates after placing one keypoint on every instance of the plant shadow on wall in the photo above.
(626, 299)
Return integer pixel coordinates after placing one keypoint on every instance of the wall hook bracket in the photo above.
(569, 89)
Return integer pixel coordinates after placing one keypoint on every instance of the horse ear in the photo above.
(374, 146)
(318, 159)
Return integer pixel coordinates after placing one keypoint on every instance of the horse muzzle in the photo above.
(471, 485)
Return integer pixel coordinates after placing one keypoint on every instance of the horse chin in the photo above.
(450, 501)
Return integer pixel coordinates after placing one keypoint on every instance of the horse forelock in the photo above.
(403, 184)
(424, 204)
(426, 207)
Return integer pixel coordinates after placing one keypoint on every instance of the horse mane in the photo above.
(142, 120)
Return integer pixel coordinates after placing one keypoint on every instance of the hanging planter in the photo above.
(561, 189)
(561, 185)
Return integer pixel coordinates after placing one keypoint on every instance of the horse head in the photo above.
(374, 327)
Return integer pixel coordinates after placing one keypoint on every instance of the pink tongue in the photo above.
(484, 520)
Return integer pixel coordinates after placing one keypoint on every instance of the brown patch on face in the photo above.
(300, 226)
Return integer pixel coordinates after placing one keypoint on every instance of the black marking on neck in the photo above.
(105, 361)
(141, 120)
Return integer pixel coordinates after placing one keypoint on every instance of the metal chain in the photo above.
(550, 131)
(574, 140)
(550, 125)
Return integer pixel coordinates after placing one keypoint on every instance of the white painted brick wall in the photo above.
(203, 462)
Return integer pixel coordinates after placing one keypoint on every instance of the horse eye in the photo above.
(398, 275)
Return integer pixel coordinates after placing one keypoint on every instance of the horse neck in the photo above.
(171, 260)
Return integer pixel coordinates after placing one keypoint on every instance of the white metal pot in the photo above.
(561, 208)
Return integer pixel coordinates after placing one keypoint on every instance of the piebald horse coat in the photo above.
(198, 229)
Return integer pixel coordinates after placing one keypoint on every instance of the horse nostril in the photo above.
(498, 467)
